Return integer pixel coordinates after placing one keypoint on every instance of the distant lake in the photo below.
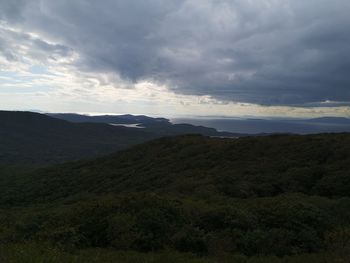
(252, 126)
(136, 125)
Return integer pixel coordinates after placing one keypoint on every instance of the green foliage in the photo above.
(284, 225)
(189, 198)
(199, 167)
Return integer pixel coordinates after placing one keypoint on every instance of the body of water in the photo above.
(253, 126)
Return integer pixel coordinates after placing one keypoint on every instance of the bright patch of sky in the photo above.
(41, 68)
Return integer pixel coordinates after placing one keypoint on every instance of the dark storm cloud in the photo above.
(263, 51)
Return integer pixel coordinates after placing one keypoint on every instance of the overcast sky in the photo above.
(176, 57)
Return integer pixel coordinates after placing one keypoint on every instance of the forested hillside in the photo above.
(216, 200)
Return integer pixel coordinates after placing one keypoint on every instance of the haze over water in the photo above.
(253, 126)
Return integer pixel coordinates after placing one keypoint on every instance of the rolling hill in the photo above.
(280, 195)
(28, 138)
(194, 165)
(32, 138)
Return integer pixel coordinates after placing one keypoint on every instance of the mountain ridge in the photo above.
(34, 138)
(157, 125)
(27, 137)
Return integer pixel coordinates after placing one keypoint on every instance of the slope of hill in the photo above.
(160, 126)
(274, 195)
(32, 138)
(28, 138)
(193, 164)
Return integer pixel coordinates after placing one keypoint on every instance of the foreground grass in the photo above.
(34, 253)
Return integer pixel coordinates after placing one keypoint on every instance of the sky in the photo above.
(275, 58)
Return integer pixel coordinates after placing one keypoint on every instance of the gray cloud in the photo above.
(11, 10)
(23, 47)
(274, 52)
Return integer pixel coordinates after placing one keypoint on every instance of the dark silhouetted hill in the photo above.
(113, 119)
(32, 138)
(160, 126)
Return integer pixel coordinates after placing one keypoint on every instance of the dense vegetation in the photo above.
(186, 199)
(200, 166)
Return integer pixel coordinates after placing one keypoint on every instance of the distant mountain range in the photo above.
(32, 138)
(159, 126)
(111, 119)
(224, 127)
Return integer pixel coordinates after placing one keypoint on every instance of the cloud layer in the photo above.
(267, 52)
